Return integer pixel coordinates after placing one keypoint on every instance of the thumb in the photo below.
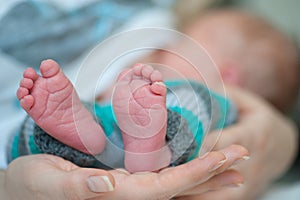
(85, 183)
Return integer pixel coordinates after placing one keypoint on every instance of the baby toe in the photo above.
(156, 76)
(26, 83)
(159, 88)
(30, 73)
(49, 68)
(27, 102)
(22, 92)
(147, 71)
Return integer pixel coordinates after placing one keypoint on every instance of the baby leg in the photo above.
(52, 102)
(139, 103)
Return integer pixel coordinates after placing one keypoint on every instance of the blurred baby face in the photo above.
(189, 63)
(199, 56)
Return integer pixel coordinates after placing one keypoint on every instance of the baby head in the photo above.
(249, 52)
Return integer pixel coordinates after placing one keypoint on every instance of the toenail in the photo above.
(159, 83)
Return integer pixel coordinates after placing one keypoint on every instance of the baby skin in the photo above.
(139, 103)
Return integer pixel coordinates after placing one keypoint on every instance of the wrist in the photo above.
(3, 192)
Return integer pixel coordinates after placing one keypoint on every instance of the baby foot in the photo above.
(139, 103)
(52, 102)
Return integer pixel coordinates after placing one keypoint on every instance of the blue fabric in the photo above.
(195, 127)
(37, 30)
(107, 119)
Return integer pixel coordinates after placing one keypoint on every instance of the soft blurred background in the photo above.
(284, 14)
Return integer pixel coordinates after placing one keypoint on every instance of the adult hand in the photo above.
(50, 177)
(270, 138)
(209, 171)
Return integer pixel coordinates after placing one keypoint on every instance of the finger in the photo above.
(234, 154)
(224, 193)
(193, 172)
(200, 170)
(72, 182)
(83, 183)
(229, 178)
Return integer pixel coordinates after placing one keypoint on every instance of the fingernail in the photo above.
(244, 158)
(235, 185)
(99, 184)
(217, 166)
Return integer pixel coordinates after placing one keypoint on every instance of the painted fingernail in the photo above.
(99, 184)
(218, 165)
